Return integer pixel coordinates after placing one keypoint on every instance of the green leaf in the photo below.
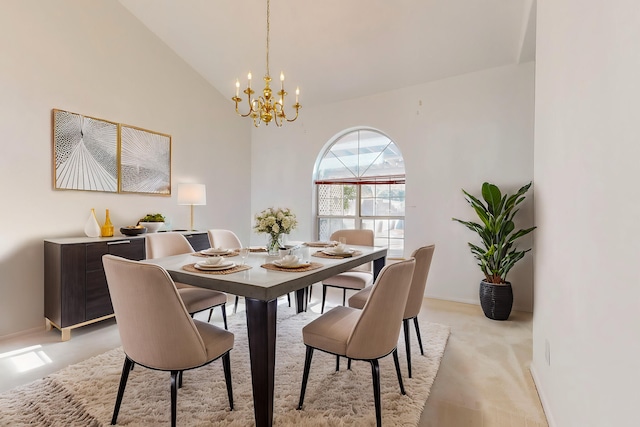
(491, 194)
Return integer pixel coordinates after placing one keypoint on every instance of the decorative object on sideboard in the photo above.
(152, 222)
(265, 108)
(192, 194)
(85, 153)
(133, 230)
(91, 226)
(145, 161)
(275, 222)
(107, 228)
(498, 253)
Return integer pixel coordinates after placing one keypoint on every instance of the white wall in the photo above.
(454, 133)
(587, 208)
(95, 58)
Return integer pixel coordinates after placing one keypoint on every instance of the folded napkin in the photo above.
(340, 248)
(289, 260)
(213, 261)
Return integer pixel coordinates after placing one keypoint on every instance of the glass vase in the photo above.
(273, 244)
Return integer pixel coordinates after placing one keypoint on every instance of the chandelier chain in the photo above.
(268, 15)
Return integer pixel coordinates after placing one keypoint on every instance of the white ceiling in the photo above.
(340, 49)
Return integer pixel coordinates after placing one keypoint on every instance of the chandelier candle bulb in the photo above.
(249, 78)
(237, 87)
(297, 94)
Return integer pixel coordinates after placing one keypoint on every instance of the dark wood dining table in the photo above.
(261, 287)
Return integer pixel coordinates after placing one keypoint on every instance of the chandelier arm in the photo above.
(297, 107)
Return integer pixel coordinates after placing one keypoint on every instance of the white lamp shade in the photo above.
(192, 194)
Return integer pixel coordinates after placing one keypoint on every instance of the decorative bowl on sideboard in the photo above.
(152, 227)
(133, 230)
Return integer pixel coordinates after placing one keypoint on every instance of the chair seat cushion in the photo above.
(350, 280)
(359, 299)
(217, 341)
(331, 331)
(198, 299)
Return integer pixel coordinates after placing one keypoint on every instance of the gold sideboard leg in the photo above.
(66, 334)
(47, 324)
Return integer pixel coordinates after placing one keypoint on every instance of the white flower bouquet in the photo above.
(275, 222)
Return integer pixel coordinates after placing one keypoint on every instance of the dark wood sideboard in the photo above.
(75, 287)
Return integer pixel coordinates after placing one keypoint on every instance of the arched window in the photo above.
(360, 183)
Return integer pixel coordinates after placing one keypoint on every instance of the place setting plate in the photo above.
(336, 253)
(224, 265)
(215, 252)
(303, 264)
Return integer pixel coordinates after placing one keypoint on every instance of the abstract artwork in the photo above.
(145, 161)
(85, 152)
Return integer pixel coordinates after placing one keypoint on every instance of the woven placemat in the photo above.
(237, 268)
(320, 244)
(257, 249)
(311, 266)
(321, 254)
(228, 255)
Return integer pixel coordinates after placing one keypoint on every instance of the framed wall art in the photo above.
(85, 153)
(145, 161)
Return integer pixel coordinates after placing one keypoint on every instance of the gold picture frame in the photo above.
(85, 153)
(144, 161)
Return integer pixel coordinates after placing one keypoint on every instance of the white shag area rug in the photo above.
(84, 394)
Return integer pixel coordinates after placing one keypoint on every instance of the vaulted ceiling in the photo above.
(341, 49)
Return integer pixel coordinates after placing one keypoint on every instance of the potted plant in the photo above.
(498, 253)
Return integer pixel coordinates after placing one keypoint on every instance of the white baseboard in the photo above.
(474, 301)
(25, 332)
(543, 397)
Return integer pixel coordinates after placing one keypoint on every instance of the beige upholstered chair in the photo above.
(227, 239)
(357, 278)
(159, 245)
(156, 330)
(423, 257)
(368, 334)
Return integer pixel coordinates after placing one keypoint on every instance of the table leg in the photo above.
(377, 266)
(301, 300)
(261, 330)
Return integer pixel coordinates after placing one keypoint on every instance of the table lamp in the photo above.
(192, 194)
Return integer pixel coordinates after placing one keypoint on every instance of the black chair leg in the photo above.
(349, 364)
(180, 379)
(305, 375)
(224, 315)
(375, 373)
(174, 397)
(344, 297)
(289, 299)
(210, 314)
(226, 364)
(126, 368)
(415, 323)
(396, 361)
(235, 304)
(324, 297)
(310, 291)
(407, 343)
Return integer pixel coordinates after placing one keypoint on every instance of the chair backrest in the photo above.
(356, 237)
(155, 328)
(376, 332)
(226, 239)
(423, 257)
(159, 245)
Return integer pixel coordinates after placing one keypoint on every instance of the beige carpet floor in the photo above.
(83, 394)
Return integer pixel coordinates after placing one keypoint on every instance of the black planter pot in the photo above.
(496, 300)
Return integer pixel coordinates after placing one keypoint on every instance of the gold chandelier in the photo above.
(265, 108)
